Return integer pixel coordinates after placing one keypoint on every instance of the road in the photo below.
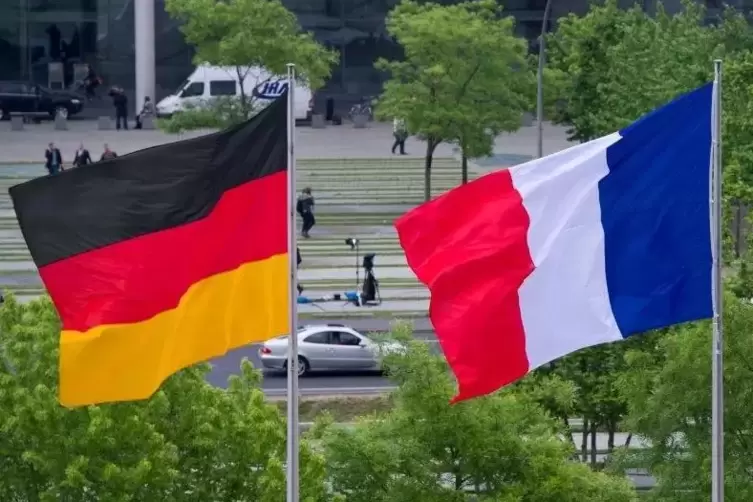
(274, 384)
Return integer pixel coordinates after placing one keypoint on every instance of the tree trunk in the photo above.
(593, 444)
(610, 439)
(244, 100)
(628, 439)
(430, 145)
(569, 431)
(464, 169)
(584, 441)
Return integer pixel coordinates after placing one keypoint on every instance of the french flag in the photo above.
(591, 245)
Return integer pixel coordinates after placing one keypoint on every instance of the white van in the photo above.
(209, 82)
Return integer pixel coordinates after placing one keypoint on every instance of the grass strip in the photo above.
(342, 409)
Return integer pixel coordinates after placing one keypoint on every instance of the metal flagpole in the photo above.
(293, 429)
(717, 365)
(540, 80)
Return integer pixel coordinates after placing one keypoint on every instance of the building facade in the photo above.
(50, 41)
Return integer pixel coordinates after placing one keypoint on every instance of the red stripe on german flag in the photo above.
(163, 258)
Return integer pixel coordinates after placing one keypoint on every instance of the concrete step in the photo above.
(387, 293)
(327, 244)
(345, 274)
(314, 261)
(347, 309)
(390, 309)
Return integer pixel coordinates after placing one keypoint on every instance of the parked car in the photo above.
(327, 347)
(33, 100)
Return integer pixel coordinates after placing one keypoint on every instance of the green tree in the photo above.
(501, 447)
(464, 83)
(613, 65)
(246, 35)
(578, 57)
(737, 107)
(609, 67)
(670, 406)
(595, 375)
(190, 442)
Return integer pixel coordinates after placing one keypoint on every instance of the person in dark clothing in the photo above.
(91, 82)
(298, 265)
(120, 102)
(53, 32)
(400, 133)
(305, 207)
(108, 154)
(82, 156)
(53, 160)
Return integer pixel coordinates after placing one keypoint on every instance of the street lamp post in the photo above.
(540, 79)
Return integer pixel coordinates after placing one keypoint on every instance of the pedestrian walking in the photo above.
(120, 102)
(53, 160)
(107, 154)
(400, 132)
(82, 157)
(305, 207)
(91, 82)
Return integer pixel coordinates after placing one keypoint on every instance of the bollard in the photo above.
(61, 123)
(104, 124)
(147, 123)
(16, 123)
(360, 121)
(317, 121)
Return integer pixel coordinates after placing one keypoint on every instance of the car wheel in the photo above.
(4, 114)
(303, 366)
(61, 111)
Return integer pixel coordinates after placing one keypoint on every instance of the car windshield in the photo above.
(301, 329)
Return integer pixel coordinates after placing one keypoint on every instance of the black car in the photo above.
(34, 100)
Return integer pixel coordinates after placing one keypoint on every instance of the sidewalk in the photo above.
(333, 142)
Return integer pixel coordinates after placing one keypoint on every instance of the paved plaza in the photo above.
(329, 143)
(359, 192)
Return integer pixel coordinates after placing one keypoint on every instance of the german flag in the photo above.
(163, 258)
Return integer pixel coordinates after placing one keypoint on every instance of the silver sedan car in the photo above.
(327, 347)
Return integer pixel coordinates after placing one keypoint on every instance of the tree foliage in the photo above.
(219, 113)
(246, 35)
(578, 57)
(464, 83)
(189, 442)
(501, 447)
(610, 66)
(669, 398)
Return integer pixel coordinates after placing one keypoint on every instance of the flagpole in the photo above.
(293, 429)
(717, 365)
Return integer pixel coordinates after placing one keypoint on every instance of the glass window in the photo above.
(347, 339)
(62, 5)
(193, 89)
(222, 88)
(353, 9)
(12, 88)
(322, 337)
